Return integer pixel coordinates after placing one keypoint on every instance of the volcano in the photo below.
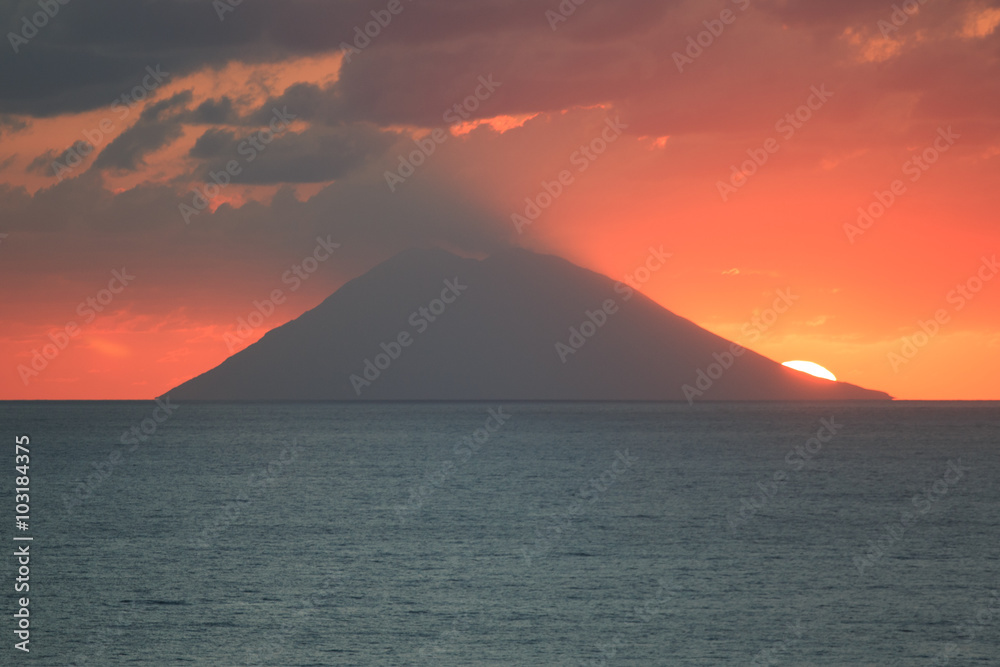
(515, 326)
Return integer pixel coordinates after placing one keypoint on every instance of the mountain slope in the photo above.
(489, 331)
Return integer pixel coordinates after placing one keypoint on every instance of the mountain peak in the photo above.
(428, 324)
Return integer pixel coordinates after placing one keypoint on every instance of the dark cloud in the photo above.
(46, 163)
(430, 56)
(158, 110)
(214, 112)
(6, 162)
(91, 53)
(11, 124)
(152, 131)
(127, 151)
(144, 226)
(316, 155)
(43, 163)
(213, 144)
(310, 102)
(433, 54)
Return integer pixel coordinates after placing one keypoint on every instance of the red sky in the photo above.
(905, 98)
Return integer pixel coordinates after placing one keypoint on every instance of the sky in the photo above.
(179, 177)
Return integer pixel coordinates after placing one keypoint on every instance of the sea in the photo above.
(551, 534)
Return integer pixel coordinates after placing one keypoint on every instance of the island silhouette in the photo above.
(516, 326)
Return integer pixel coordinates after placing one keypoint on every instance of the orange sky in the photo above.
(914, 103)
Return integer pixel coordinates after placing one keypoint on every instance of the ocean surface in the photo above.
(507, 534)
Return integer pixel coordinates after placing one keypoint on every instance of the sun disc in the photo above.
(811, 368)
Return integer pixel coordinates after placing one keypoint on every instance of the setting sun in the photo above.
(811, 368)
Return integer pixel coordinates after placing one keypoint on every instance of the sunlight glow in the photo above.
(811, 368)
